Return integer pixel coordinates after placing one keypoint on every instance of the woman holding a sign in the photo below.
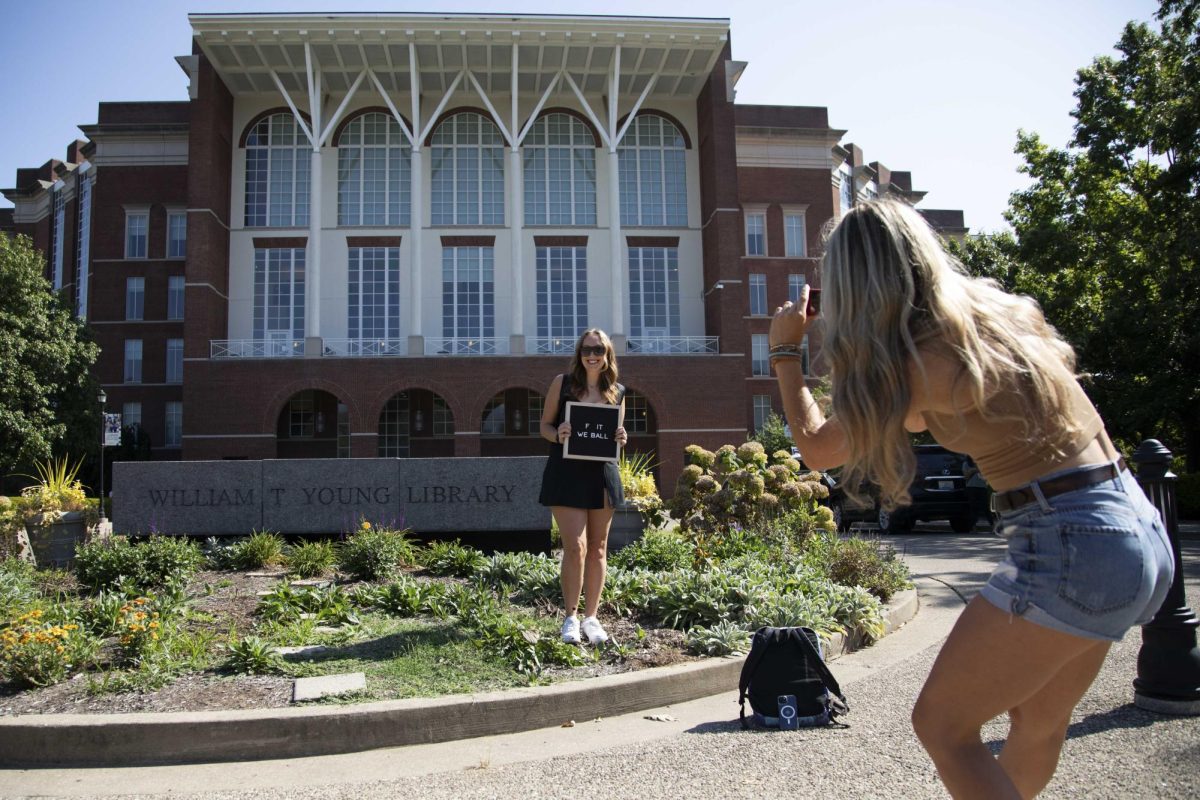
(583, 417)
(913, 344)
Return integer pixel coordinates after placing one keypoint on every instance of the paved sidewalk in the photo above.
(1113, 750)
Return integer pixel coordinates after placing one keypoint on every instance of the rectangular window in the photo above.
(135, 298)
(758, 355)
(174, 360)
(173, 435)
(762, 410)
(758, 294)
(137, 223)
(562, 310)
(131, 414)
(374, 297)
(795, 236)
(468, 297)
(279, 297)
(637, 414)
(536, 406)
(60, 224)
(443, 418)
(756, 234)
(85, 243)
(175, 292)
(795, 287)
(133, 360)
(176, 234)
(653, 291)
(845, 188)
(301, 416)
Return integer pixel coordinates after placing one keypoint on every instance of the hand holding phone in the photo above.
(814, 303)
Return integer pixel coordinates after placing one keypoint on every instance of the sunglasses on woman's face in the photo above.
(591, 350)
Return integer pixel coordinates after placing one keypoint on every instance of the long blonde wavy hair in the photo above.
(890, 289)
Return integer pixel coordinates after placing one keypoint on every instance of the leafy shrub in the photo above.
(861, 562)
(722, 639)
(773, 434)
(261, 549)
(18, 587)
(641, 492)
(453, 558)
(533, 576)
(35, 651)
(528, 652)
(658, 551)
(406, 597)
(252, 655)
(157, 562)
(310, 559)
(107, 563)
(140, 627)
(286, 603)
(627, 591)
(373, 553)
(741, 487)
(684, 599)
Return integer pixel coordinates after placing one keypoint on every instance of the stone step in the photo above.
(327, 685)
(302, 650)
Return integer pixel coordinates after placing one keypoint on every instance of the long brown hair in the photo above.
(608, 376)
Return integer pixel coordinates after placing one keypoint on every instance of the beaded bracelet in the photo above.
(773, 357)
(787, 347)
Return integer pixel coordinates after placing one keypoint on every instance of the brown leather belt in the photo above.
(1007, 501)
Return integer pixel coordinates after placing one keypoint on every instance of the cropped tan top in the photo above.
(996, 441)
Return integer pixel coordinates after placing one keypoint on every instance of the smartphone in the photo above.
(788, 720)
(814, 303)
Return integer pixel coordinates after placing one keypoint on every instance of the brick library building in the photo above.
(379, 235)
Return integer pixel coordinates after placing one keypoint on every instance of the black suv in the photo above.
(939, 491)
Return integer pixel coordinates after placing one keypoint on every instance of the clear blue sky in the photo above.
(935, 87)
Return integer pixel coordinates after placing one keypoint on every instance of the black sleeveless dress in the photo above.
(577, 483)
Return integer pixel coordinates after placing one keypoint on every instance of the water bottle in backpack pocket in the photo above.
(787, 682)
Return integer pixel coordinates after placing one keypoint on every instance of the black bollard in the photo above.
(1168, 671)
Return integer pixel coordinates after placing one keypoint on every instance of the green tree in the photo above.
(47, 395)
(1108, 233)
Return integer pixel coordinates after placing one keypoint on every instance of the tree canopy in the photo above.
(1107, 236)
(47, 395)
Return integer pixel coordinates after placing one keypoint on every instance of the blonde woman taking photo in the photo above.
(915, 344)
(582, 494)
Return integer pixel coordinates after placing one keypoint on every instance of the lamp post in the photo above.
(1168, 668)
(102, 397)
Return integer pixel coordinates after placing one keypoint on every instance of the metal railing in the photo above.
(364, 348)
(672, 345)
(256, 348)
(464, 346)
(554, 346)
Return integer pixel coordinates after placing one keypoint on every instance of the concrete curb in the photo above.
(111, 740)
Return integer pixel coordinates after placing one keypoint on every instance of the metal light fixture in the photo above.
(517, 420)
(102, 398)
(320, 422)
(418, 421)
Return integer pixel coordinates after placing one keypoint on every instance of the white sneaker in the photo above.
(594, 631)
(570, 630)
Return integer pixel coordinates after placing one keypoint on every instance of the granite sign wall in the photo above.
(428, 495)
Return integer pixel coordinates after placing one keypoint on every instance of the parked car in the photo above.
(939, 492)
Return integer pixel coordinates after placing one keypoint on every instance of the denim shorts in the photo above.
(1092, 562)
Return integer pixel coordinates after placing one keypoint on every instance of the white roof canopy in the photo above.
(246, 48)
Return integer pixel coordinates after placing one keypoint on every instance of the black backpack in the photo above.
(788, 661)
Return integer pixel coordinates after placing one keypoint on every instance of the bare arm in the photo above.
(550, 411)
(822, 442)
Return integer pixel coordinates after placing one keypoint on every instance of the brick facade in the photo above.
(239, 407)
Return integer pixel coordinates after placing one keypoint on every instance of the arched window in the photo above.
(278, 162)
(374, 169)
(468, 171)
(653, 173)
(560, 172)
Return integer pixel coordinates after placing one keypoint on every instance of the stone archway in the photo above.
(313, 423)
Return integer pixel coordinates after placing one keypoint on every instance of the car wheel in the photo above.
(962, 524)
(891, 523)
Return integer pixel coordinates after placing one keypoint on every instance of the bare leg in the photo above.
(572, 523)
(1038, 726)
(993, 662)
(598, 522)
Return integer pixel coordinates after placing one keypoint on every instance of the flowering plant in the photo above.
(39, 652)
(641, 492)
(139, 627)
(57, 490)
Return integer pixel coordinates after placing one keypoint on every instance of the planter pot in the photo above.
(627, 527)
(53, 543)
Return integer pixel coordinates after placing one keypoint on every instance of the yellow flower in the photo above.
(366, 526)
(153, 624)
(154, 635)
(141, 601)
